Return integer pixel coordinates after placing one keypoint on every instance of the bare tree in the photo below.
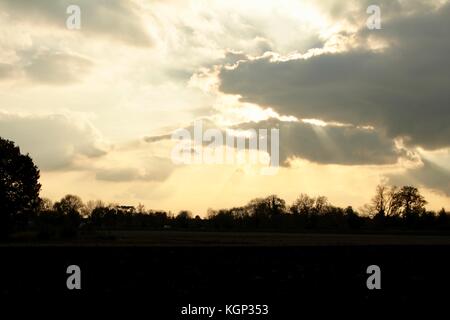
(302, 205)
(90, 206)
(306, 205)
(140, 208)
(394, 201)
(380, 200)
(321, 204)
(384, 202)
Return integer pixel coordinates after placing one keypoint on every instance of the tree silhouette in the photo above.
(409, 203)
(266, 212)
(303, 205)
(69, 205)
(380, 201)
(70, 208)
(45, 205)
(19, 187)
(183, 218)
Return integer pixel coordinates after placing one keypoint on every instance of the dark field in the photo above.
(192, 238)
(288, 272)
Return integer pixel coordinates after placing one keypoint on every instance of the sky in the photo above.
(355, 106)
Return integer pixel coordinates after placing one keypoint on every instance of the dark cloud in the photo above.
(402, 90)
(233, 57)
(429, 175)
(115, 19)
(345, 145)
(151, 139)
(331, 144)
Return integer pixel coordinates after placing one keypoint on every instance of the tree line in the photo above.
(392, 209)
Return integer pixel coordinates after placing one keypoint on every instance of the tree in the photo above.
(45, 205)
(267, 207)
(266, 212)
(384, 202)
(380, 200)
(182, 219)
(302, 205)
(277, 206)
(442, 219)
(305, 204)
(409, 202)
(140, 208)
(19, 186)
(69, 205)
(70, 208)
(406, 202)
(353, 220)
(321, 205)
(90, 206)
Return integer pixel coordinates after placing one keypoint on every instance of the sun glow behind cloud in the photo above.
(169, 71)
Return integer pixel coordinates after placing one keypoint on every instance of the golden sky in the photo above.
(95, 107)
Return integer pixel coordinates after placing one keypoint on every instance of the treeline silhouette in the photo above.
(392, 209)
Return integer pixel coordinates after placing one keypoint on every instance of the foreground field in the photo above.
(288, 278)
(178, 238)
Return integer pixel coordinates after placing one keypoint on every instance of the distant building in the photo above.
(127, 209)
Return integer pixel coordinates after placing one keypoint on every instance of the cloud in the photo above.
(401, 90)
(330, 144)
(56, 67)
(136, 161)
(429, 174)
(154, 169)
(6, 71)
(53, 141)
(64, 142)
(118, 174)
(151, 139)
(41, 65)
(114, 19)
